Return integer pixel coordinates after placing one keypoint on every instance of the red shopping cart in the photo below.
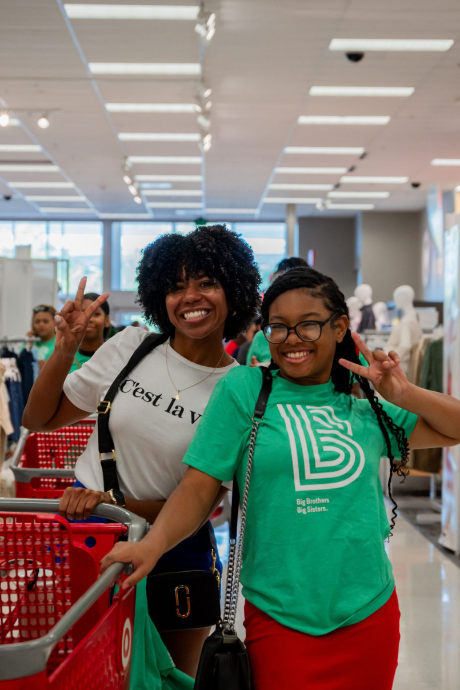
(44, 463)
(59, 629)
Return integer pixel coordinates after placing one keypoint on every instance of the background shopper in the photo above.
(43, 328)
(96, 331)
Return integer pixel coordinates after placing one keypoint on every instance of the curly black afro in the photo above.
(214, 250)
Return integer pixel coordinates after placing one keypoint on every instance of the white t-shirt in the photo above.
(151, 430)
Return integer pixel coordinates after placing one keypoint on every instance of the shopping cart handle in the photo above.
(16, 459)
(137, 526)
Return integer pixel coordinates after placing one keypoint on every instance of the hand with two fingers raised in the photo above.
(384, 371)
(140, 555)
(79, 503)
(72, 321)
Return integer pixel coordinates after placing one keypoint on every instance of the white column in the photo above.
(292, 231)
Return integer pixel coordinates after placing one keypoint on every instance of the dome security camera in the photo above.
(7, 197)
(354, 57)
(415, 185)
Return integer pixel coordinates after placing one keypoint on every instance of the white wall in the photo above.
(391, 246)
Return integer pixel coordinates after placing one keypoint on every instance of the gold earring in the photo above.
(234, 313)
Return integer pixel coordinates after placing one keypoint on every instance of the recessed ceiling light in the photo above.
(446, 161)
(390, 44)
(326, 150)
(288, 200)
(374, 180)
(344, 119)
(40, 197)
(351, 207)
(312, 171)
(304, 187)
(4, 119)
(174, 204)
(232, 211)
(168, 178)
(84, 11)
(359, 195)
(41, 185)
(45, 209)
(390, 91)
(173, 192)
(29, 148)
(125, 216)
(150, 107)
(190, 69)
(186, 160)
(149, 136)
(19, 167)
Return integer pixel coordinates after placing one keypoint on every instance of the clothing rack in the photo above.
(11, 341)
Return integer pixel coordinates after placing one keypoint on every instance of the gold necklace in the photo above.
(181, 390)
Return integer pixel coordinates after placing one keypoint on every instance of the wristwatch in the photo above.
(117, 497)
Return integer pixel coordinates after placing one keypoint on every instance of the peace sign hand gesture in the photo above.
(384, 371)
(72, 321)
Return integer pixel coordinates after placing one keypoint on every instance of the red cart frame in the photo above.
(56, 632)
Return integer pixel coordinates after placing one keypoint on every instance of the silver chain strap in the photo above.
(235, 556)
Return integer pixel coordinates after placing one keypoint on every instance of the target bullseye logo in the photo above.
(126, 641)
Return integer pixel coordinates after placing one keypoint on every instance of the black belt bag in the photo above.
(176, 601)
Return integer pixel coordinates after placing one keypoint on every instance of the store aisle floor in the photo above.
(428, 586)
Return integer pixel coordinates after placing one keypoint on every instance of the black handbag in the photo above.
(180, 600)
(224, 662)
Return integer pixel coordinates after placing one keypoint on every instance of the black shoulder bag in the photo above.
(177, 600)
(224, 662)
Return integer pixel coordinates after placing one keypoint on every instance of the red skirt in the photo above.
(363, 656)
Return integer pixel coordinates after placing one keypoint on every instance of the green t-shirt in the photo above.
(79, 360)
(45, 350)
(314, 556)
(259, 348)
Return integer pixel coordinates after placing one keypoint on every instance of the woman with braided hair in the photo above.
(321, 609)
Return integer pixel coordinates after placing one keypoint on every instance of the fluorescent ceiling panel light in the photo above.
(168, 178)
(20, 148)
(359, 195)
(303, 187)
(344, 119)
(125, 216)
(312, 171)
(374, 180)
(45, 209)
(84, 11)
(350, 207)
(410, 45)
(185, 160)
(155, 185)
(174, 204)
(170, 69)
(149, 136)
(172, 192)
(18, 167)
(446, 161)
(41, 185)
(380, 91)
(326, 150)
(150, 107)
(230, 211)
(289, 200)
(41, 197)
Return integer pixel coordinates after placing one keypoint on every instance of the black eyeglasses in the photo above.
(41, 307)
(308, 331)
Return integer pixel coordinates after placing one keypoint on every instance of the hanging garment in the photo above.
(26, 368)
(13, 383)
(417, 355)
(367, 319)
(6, 428)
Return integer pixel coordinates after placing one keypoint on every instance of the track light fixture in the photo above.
(207, 142)
(138, 199)
(206, 24)
(132, 189)
(43, 122)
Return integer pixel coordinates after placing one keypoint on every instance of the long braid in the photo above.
(324, 287)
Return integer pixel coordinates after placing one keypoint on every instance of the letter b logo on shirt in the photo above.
(324, 454)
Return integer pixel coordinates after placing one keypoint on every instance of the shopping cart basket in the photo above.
(44, 462)
(59, 629)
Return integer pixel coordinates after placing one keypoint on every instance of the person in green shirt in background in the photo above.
(259, 351)
(43, 328)
(96, 332)
(321, 606)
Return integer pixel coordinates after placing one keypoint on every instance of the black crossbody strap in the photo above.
(105, 440)
(259, 412)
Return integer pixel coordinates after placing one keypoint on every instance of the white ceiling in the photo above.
(261, 64)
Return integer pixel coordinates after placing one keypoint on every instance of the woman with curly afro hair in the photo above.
(198, 290)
